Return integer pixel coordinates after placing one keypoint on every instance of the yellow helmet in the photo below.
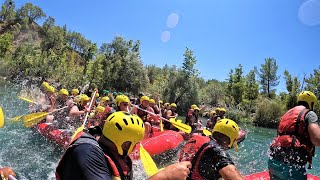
(217, 110)
(223, 110)
(144, 98)
(100, 109)
(51, 89)
(308, 97)
(161, 102)
(121, 98)
(45, 84)
(121, 127)
(105, 98)
(97, 94)
(228, 128)
(196, 108)
(152, 101)
(74, 92)
(193, 106)
(64, 92)
(84, 97)
(173, 105)
(212, 113)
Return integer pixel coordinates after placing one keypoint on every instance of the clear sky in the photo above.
(222, 33)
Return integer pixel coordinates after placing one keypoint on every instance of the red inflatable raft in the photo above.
(265, 176)
(59, 136)
(160, 142)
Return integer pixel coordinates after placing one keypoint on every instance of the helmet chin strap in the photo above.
(125, 153)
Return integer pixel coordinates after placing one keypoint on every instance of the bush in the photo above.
(237, 115)
(269, 112)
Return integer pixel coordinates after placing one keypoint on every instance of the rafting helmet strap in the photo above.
(297, 126)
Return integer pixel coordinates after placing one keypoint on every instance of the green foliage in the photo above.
(235, 87)
(237, 115)
(48, 23)
(292, 85)
(268, 112)
(212, 93)
(182, 88)
(268, 77)
(6, 46)
(313, 84)
(7, 12)
(251, 87)
(31, 12)
(122, 67)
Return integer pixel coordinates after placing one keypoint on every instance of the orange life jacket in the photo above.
(293, 132)
(113, 166)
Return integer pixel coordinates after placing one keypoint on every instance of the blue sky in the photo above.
(222, 33)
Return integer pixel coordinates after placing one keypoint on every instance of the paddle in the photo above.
(161, 125)
(81, 128)
(206, 132)
(183, 127)
(17, 118)
(147, 162)
(34, 118)
(1, 118)
(26, 99)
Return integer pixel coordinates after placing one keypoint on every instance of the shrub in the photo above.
(269, 112)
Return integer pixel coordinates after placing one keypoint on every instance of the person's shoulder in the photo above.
(311, 116)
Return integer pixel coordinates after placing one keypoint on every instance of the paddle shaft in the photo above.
(152, 113)
(90, 105)
(57, 110)
(10, 176)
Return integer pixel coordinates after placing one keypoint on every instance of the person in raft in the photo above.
(108, 158)
(297, 135)
(208, 154)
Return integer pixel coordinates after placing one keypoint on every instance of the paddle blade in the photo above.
(1, 118)
(26, 99)
(183, 127)
(161, 125)
(34, 118)
(206, 132)
(81, 128)
(147, 161)
(16, 119)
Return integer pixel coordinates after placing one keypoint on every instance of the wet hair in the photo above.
(221, 138)
(303, 103)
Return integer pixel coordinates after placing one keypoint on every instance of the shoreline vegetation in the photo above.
(66, 58)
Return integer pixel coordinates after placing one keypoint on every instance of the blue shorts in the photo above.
(281, 171)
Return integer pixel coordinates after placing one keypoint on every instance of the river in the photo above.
(32, 157)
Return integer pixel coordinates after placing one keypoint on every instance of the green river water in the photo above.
(33, 157)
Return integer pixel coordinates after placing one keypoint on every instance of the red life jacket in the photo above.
(293, 132)
(113, 166)
(193, 151)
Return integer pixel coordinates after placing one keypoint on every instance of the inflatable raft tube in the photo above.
(265, 176)
(158, 143)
